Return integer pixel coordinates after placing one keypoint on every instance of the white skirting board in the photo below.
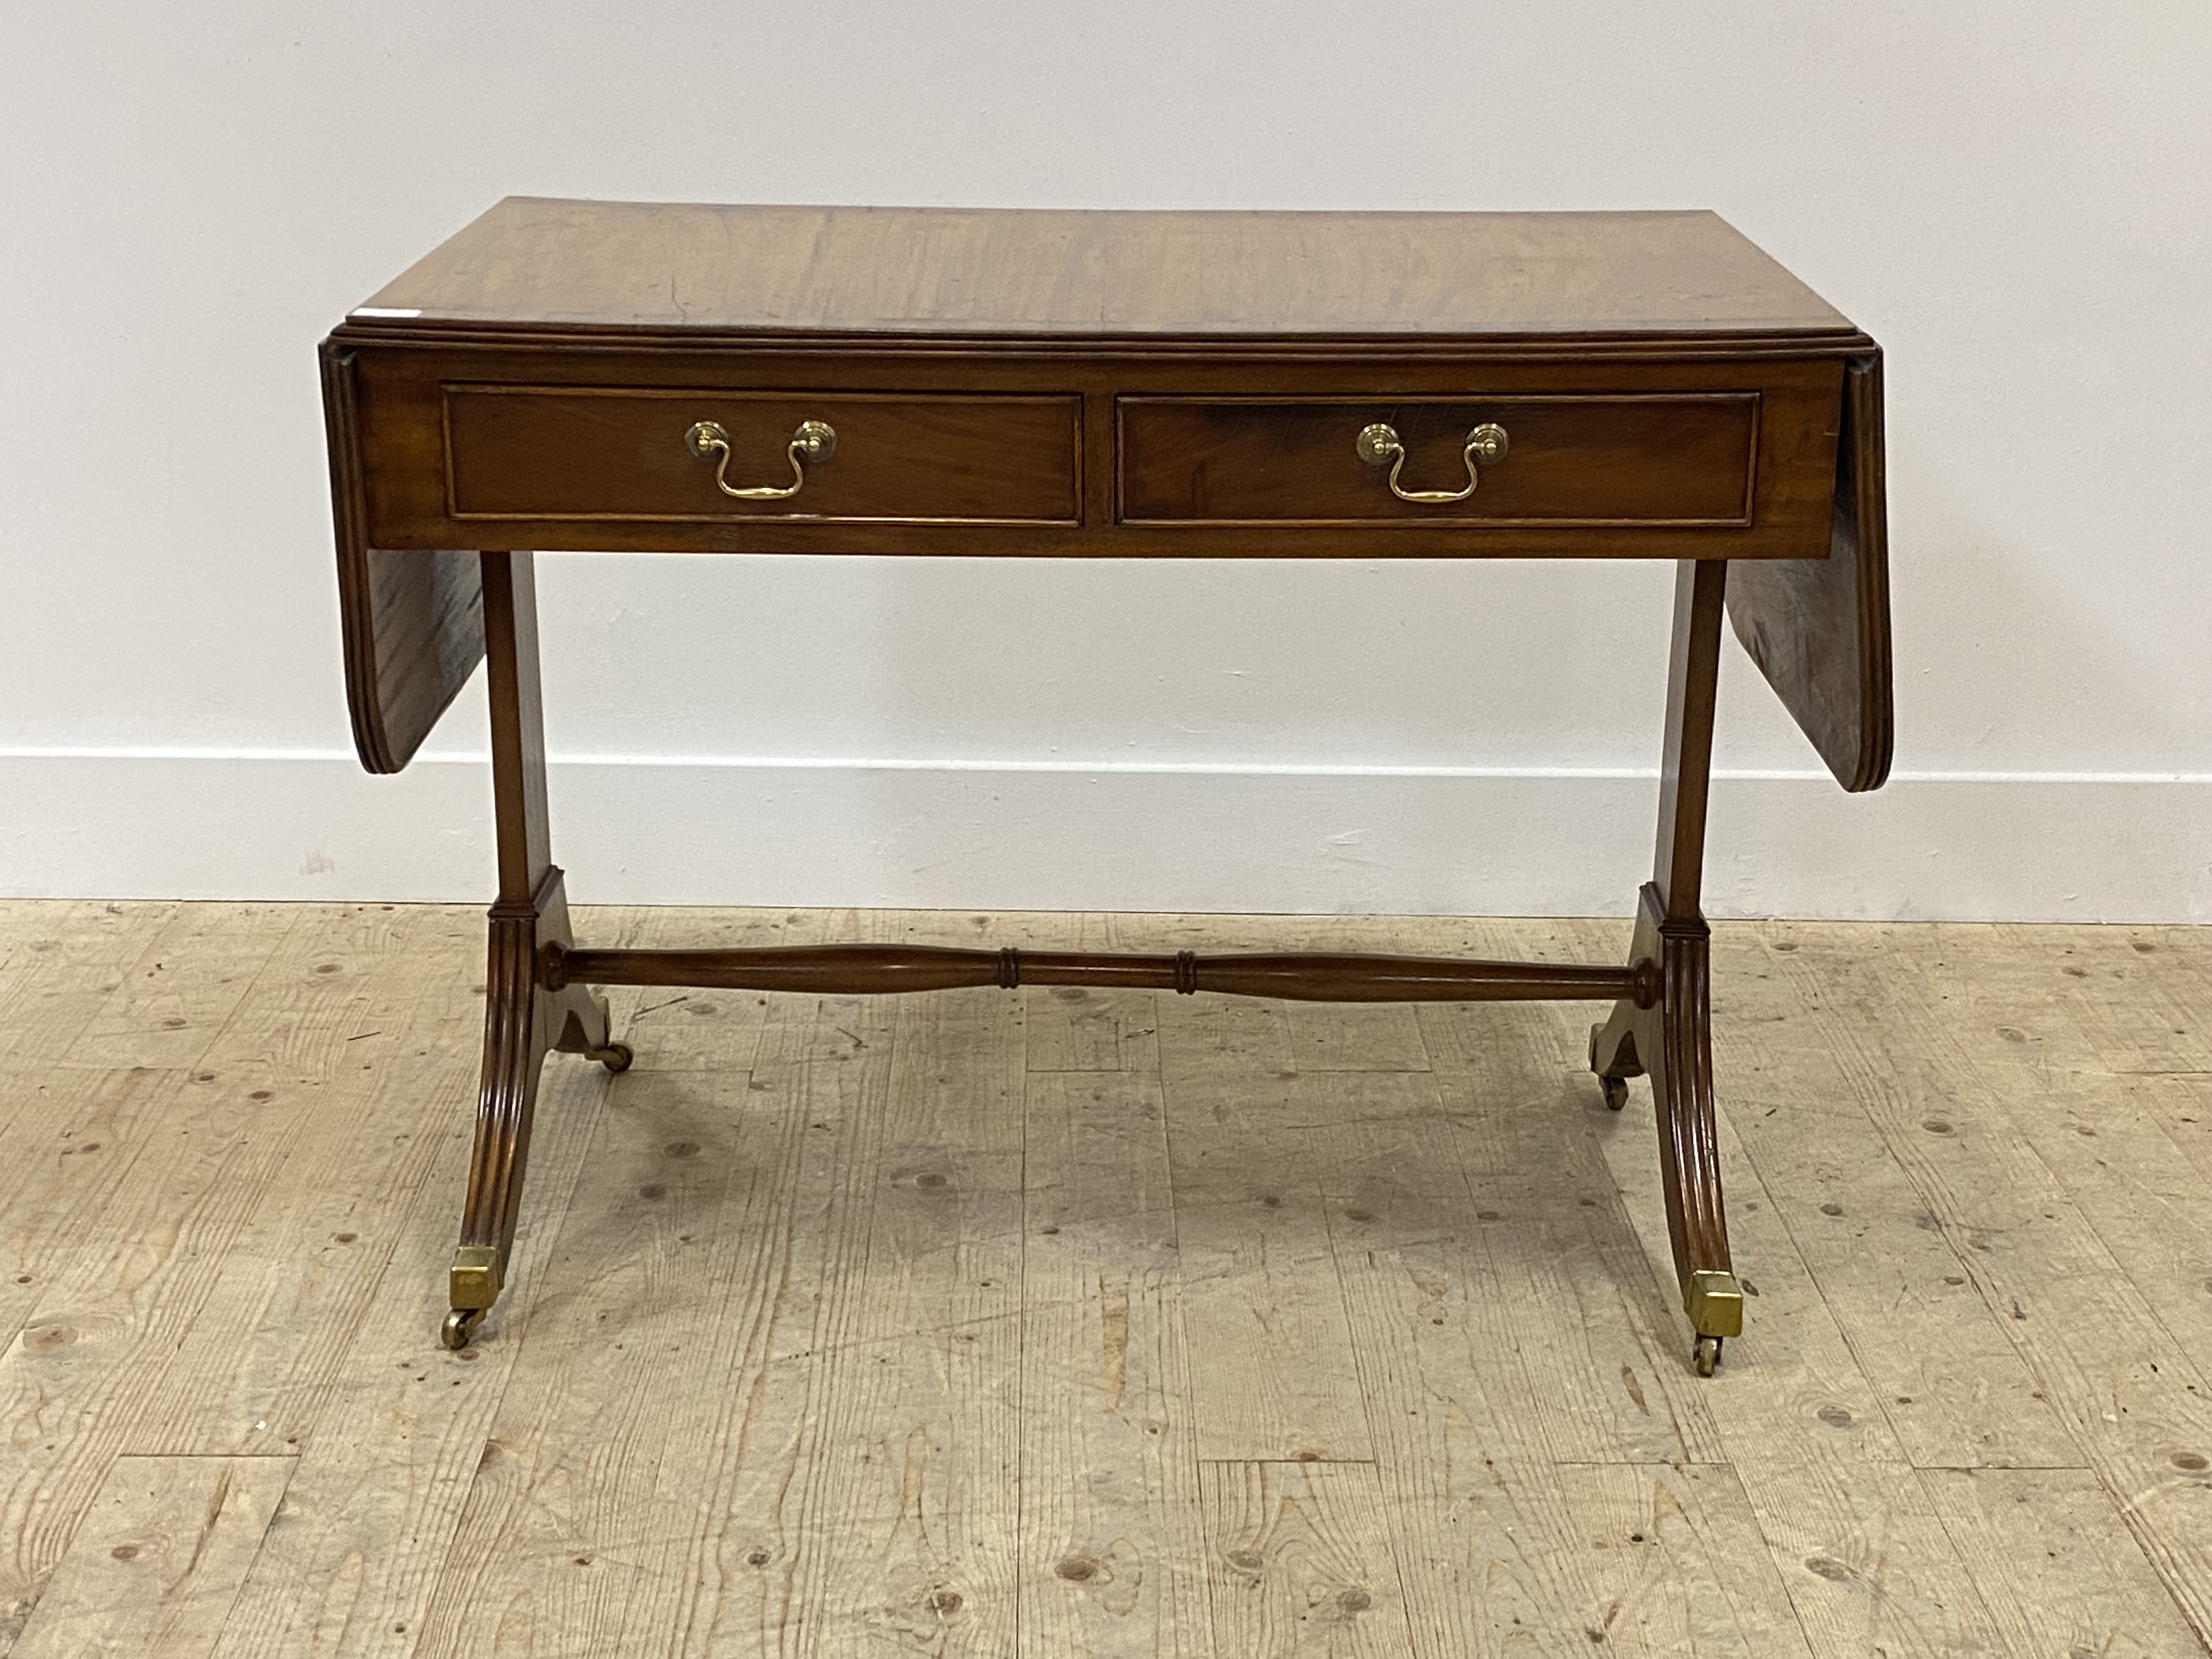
(289, 825)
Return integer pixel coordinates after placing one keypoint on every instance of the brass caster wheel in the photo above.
(615, 1056)
(460, 1325)
(1706, 1355)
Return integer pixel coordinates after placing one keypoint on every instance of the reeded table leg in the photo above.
(1672, 1041)
(523, 1019)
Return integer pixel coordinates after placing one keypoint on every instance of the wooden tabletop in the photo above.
(534, 263)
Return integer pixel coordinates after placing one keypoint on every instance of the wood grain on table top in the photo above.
(535, 262)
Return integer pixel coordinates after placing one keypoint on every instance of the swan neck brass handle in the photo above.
(815, 440)
(1378, 446)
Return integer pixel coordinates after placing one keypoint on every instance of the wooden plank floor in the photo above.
(1066, 1323)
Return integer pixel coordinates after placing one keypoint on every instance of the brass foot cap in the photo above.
(1714, 1302)
(477, 1276)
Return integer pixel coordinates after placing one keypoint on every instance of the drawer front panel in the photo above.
(1587, 460)
(619, 453)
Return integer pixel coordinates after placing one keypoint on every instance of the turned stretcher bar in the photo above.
(1309, 976)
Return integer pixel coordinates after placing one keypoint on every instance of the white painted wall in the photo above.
(2012, 197)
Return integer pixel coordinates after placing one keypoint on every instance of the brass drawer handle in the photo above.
(1378, 444)
(815, 440)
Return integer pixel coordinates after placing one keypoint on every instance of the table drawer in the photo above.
(1656, 459)
(621, 453)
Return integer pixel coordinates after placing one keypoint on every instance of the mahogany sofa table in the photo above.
(828, 381)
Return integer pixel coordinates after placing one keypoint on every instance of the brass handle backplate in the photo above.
(1378, 446)
(815, 440)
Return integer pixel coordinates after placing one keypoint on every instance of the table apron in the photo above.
(1173, 457)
